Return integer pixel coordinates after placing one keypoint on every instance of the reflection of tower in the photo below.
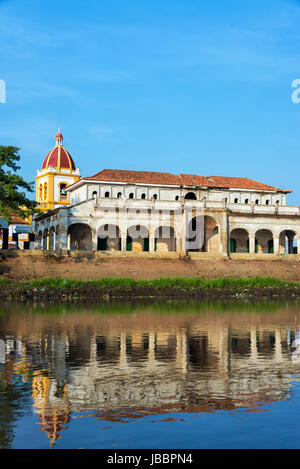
(57, 173)
(51, 406)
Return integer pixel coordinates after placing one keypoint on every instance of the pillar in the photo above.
(94, 240)
(123, 240)
(298, 244)
(276, 244)
(152, 240)
(184, 223)
(64, 240)
(223, 235)
(252, 244)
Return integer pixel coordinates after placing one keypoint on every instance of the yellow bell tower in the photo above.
(57, 173)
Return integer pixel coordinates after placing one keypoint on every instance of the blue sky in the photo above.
(184, 86)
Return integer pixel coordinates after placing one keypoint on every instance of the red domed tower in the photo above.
(57, 173)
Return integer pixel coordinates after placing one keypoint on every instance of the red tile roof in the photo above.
(16, 220)
(149, 177)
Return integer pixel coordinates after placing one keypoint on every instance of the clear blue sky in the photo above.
(185, 86)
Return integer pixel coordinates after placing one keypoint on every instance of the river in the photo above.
(150, 375)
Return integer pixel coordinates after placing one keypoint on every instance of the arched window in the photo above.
(45, 191)
(246, 201)
(257, 202)
(143, 196)
(267, 202)
(190, 196)
(41, 192)
(177, 197)
(131, 195)
(119, 195)
(155, 196)
(236, 201)
(277, 202)
(62, 191)
(94, 194)
(106, 194)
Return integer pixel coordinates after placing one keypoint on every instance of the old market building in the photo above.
(120, 211)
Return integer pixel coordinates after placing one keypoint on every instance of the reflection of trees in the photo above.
(14, 398)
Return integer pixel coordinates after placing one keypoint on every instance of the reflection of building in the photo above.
(121, 211)
(127, 365)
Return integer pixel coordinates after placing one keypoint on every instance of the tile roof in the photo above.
(16, 220)
(150, 177)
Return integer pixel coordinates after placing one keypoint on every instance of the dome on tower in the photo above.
(59, 157)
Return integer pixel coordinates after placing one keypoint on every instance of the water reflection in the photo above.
(123, 362)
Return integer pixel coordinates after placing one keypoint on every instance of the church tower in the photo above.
(57, 173)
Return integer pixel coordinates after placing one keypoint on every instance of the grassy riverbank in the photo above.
(184, 288)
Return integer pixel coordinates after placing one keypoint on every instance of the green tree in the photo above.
(13, 188)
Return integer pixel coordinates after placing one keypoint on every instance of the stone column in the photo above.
(298, 244)
(63, 240)
(177, 241)
(223, 235)
(183, 232)
(276, 244)
(94, 239)
(151, 240)
(252, 244)
(123, 241)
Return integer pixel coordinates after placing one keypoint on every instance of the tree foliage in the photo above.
(13, 188)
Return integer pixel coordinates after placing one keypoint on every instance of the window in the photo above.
(267, 202)
(177, 197)
(190, 196)
(106, 194)
(143, 196)
(94, 194)
(277, 202)
(226, 200)
(119, 195)
(155, 196)
(45, 191)
(236, 201)
(131, 195)
(246, 201)
(41, 192)
(62, 191)
(257, 202)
